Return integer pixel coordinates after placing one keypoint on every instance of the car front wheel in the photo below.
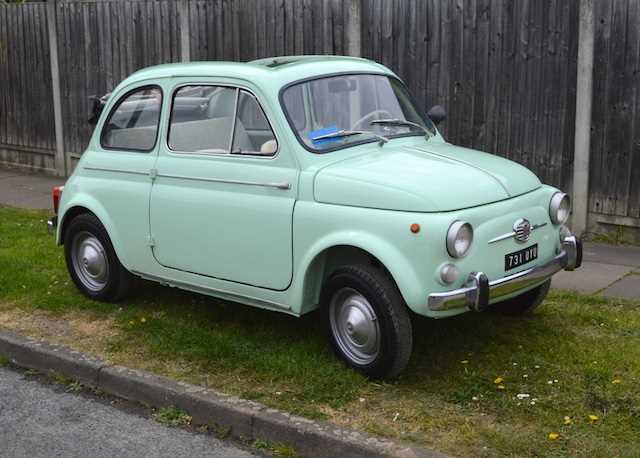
(92, 261)
(367, 321)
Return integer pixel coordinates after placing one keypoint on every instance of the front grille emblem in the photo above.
(522, 229)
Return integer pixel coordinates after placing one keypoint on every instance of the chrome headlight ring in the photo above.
(559, 208)
(459, 239)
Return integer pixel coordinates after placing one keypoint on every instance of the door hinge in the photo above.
(153, 173)
(151, 241)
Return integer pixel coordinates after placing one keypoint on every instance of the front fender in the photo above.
(390, 256)
(382, 234)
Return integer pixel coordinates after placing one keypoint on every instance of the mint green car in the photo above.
(303, 183)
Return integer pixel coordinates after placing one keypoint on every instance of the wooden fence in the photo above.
(504, 69)
(615, 124)
(26, 113)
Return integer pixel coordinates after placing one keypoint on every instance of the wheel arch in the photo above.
(330, 254)
(76, 208)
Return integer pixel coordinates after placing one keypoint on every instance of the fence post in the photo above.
(185, 44)
(60, 162)
(354, 28)
(584, 96)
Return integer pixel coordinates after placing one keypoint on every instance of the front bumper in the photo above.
(479, 291)
(52, 225)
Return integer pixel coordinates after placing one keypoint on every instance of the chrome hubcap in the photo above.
(90, 261)
(355, 326)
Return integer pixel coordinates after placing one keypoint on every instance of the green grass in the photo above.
(280, 450)
(172, 416)
(71, 384)
(446, 399)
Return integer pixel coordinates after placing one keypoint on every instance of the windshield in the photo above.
(338, 111)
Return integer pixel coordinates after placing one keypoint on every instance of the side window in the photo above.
(252, 132)
(133, 124)
(202, 119)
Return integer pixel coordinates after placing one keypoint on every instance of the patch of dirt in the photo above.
(72, 329)
(434, 424)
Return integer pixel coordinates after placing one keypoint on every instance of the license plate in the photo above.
(518, 258)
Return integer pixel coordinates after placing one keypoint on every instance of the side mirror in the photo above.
(437, 114)
(97, 105)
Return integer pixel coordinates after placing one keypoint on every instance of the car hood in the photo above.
(430, 177)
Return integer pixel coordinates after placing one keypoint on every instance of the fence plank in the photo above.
(27, 135)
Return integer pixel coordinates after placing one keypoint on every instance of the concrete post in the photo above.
(185, 35)
(60, 162)
(584, 96)
(354, 28)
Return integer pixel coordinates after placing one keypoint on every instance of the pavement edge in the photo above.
(246, 419)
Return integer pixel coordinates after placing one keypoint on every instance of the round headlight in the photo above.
(459, 238)
(559, 208)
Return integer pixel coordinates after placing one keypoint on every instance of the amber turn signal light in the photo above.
(415, 228)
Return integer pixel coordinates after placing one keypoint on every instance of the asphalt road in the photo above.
(39, 419)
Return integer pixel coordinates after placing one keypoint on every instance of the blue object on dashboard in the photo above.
(324, 131)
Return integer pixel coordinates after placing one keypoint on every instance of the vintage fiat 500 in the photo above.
(304, 183)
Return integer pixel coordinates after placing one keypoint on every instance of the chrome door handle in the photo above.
(284, 185)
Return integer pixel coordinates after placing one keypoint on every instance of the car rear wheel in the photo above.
(367, 321)
(92, 261)
(525, 303)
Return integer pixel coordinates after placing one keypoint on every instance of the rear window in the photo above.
(133, 123)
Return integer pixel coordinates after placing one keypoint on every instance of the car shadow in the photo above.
(439, 344)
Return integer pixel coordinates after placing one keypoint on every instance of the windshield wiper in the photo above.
(348, 133)
(402, 122)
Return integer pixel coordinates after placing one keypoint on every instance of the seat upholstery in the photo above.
(210, 135)
(133, 138)
(205, 135)
(269, 148)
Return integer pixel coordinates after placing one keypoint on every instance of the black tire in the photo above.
(525, 303)
(394, 330)
(117, 280)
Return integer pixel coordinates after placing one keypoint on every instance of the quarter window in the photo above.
(204, 119)
(133, 124)
(252, 133)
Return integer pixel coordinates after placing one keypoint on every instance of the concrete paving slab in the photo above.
(27, 191)
(612, 254)
(589, 278)
(626, 288)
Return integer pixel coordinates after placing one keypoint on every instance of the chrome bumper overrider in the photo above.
(479, 291)
(52, 224)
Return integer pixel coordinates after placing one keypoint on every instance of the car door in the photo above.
(222, 200)
(114, 170)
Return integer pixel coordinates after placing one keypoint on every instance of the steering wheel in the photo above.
(366, 119)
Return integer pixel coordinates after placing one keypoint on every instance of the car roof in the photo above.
(276, 70)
